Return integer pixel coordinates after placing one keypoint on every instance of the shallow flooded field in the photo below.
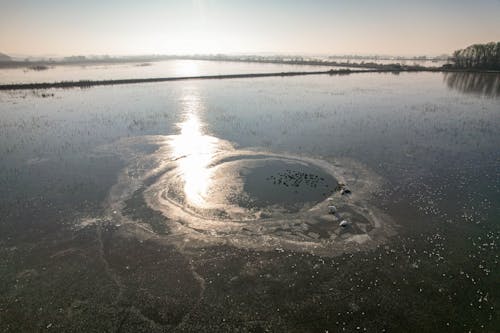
(140, 70)
(206, 205)
(167, 68)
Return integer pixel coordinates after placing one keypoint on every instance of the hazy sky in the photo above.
(69, 27)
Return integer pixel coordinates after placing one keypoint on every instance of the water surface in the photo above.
(159, 206)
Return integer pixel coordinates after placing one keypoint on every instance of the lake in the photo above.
(204, 205)
(167, 68)
(139, 70)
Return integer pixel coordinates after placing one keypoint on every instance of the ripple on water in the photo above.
(250, 198)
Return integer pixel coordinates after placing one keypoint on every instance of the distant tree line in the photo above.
(478, 56)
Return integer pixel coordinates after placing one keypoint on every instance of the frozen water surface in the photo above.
(203, 205)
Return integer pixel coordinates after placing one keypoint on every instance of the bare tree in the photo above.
(478, 56)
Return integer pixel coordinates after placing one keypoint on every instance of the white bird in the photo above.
(344, 223)
(332, 209)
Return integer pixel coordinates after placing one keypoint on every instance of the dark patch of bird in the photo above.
(291, 178)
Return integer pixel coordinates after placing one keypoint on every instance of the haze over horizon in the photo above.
(60, 28)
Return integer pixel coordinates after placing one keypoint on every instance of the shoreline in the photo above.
(245, 59)
(91, 83)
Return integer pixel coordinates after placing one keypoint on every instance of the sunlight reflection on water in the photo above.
(187, 68)
(194, 150)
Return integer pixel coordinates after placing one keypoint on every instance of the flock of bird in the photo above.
(344, 190)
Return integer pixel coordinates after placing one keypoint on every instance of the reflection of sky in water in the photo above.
(438, 149)
(195, 151)
(165, 68)
(411, 124)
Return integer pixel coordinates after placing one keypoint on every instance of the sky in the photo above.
(125, 27)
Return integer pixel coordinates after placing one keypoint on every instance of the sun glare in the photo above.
(187, 68)
(194, 151)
